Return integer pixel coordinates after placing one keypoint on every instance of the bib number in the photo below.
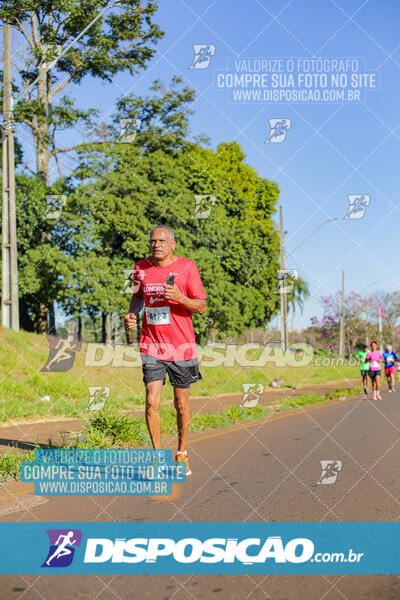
(158, 315)
(375, 364)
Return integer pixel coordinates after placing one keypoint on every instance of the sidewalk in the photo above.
(25, 433)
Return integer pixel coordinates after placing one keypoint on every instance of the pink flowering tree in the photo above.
(361, 317)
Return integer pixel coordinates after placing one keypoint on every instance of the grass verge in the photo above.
(26, 390)
(111, 430)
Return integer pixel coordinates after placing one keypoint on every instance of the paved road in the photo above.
(266, 471)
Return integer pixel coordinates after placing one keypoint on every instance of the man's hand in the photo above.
(172, 292)
(130, 321)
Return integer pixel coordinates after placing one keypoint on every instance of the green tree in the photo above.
(236, 247)
(298, 295)
(121, 40)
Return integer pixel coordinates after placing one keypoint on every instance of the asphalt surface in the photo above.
(263, 471)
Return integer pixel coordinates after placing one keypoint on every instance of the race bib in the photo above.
(158, 315)
(375, 364)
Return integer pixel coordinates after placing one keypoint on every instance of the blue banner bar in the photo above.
(226, 548)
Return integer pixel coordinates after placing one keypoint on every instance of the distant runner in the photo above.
(390, 359)
(364, 366)
(170, 289)
(375, 357)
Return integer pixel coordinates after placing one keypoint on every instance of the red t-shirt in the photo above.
(167, 328)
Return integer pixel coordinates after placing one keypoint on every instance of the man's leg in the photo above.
(153, 420)
(181, 401)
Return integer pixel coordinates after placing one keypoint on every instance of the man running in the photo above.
(170, 289)
(364, 366)
(390, 359)
(374, 357)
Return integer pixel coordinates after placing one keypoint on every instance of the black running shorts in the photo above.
(181, 373)
(373, 374)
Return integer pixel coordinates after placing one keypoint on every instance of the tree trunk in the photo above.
(42, 166)
(42, 127)
(103, 327)
(80, 326)
(108, 329)
(52, 319)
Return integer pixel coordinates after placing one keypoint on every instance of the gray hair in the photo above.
(388, 348)
(170, 231)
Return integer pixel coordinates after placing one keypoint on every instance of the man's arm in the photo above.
(195, 305)
(136, 304)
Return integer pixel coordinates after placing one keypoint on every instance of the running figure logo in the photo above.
(286, 279)
(50, 54)
(203, 54)
(357, 205)
(278, 129)
(62, 351)
(62, 547)
(54, 206)
(128, 129)
(330, 471)
(132, 281)
(204, 202)
(97, 397)
(251, 394)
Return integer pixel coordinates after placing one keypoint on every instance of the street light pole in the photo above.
(367, 312)
(9, 288)
(284, 337)
(341, 339)
(314, 231)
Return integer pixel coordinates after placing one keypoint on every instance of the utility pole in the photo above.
(284, 336)
(341, 340)
(9, 289)
(380, 328)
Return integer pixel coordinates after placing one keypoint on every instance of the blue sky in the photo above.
(331, 150)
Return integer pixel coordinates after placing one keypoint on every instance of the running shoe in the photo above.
(365, 390)
(182, 457)
(393, 389)
(378, 396)
(374, 396)
(390, 390)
